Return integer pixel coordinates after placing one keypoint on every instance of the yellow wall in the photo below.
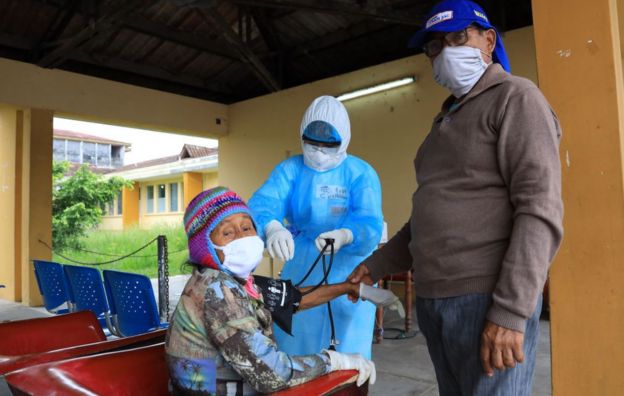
(111, 223)
(25, 199)
(130, 210)
(90, 98)
(8, 193)
(580, 69)
(161, 219)
(193, 185)
(210, 180)
(387, 128)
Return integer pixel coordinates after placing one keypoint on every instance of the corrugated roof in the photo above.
(72, 135)
(193, 151)
(188, 151)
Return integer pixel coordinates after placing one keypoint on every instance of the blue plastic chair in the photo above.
(53, 286)
(86, 292)
(132, 303)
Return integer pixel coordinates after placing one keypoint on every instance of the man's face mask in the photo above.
(242, 255)
(458, 69)
(321, 158)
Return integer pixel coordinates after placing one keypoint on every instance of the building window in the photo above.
(164, 198)
(115, 206)
(173, 197)
(58, 149)
(150, 199)
(162, 194)
(88, 153)
(73, 151)
(79, 152)
(103, 155)
(119, 203)
(117, 156)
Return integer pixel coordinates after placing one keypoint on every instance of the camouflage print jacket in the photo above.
(220, 342)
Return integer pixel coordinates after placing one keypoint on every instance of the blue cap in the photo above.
(321, 131)
(455, 15)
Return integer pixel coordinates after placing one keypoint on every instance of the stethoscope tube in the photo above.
(329, 243)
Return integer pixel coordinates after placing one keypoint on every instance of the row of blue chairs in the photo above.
(124, 302)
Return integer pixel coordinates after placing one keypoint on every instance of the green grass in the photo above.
(124, 242)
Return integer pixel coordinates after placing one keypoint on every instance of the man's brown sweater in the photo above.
(487, 214)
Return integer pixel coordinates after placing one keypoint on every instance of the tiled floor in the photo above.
(403, 365)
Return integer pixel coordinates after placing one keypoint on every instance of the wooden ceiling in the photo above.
(225, 51)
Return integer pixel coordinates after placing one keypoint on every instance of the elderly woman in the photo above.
(220, 339)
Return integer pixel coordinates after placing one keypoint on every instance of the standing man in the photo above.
(324, 193)
(486, 218)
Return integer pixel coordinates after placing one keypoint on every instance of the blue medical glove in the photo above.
(341, 237)
(279, 241)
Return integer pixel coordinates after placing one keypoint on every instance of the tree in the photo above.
(77, 202)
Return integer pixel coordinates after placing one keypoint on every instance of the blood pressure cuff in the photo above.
(281, 298)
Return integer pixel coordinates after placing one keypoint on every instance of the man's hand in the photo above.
(500, 348)
(359, 274)
(353, 291)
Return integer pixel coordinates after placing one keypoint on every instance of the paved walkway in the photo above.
(403, 366)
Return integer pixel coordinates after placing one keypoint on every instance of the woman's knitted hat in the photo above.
(202, 216)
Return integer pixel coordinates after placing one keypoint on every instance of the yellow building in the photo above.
(161, 188)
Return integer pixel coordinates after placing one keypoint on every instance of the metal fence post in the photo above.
(163, 281)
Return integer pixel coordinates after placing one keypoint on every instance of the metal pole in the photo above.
(163, 284)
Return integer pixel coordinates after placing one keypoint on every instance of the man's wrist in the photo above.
(504, 318)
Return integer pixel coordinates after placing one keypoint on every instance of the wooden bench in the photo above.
(12, 363)
(140, 371)
(29, 336)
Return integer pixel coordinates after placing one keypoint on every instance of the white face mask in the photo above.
(458, 69)
(322, 158)
(242, 255)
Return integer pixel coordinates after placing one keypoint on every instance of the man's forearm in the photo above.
(393, 257)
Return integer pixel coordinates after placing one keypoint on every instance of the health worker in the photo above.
(324, 193)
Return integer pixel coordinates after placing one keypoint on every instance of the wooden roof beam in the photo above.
(215, 19)
(191, 40)
(103, 24)
(333, 7)
(269, 34)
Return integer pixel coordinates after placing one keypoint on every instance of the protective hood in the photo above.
(332, 111)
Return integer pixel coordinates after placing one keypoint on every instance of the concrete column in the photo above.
(37, 212)
(193, 185)
(8, 196)
(130, 198)
(580, 72)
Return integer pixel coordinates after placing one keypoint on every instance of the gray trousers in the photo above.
(452, 328)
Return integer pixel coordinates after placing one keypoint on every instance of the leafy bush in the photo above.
(77, 202)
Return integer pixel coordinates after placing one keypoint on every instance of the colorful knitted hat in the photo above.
(202, 216)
